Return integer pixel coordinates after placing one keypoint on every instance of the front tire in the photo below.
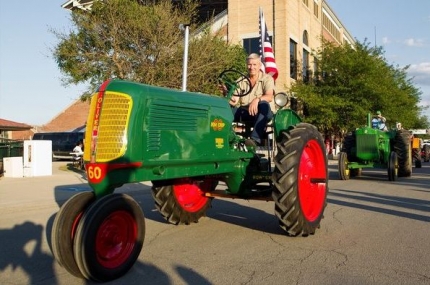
(300, 180)
(109, 237)
(344, 172)
(64, 229)
(393, 167)
(182, 201)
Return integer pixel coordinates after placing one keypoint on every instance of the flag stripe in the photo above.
(266, 51)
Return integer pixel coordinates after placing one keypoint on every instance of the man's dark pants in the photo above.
(264, 115)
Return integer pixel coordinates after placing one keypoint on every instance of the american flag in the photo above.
(266, 51)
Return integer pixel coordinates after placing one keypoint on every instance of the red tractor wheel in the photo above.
(64, 230)
(184, 201)
(109, 238)
(300, 180)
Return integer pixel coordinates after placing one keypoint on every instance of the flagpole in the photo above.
(185, 27)
(273, 20)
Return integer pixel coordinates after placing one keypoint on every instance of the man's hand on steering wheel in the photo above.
(231, 79)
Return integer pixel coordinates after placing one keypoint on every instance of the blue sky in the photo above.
(31, 91)
(30, 82)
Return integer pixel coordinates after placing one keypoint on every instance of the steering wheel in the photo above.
(231, 79)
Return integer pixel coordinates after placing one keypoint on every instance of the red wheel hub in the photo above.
(312, 180)
(116, 239)
(190, 197)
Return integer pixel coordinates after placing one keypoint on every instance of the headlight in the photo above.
(281, 99)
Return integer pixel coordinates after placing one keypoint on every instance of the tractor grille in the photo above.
(106, 137)
(367, 146)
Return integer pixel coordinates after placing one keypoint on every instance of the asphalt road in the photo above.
(374, 232)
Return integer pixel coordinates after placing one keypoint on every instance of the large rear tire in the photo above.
(402, 147)
(109, 237)
(300, 180)
(182, 201)
(344, 171)
(349, 146)
(64, 229)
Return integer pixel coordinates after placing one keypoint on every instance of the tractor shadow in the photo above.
(379, 197)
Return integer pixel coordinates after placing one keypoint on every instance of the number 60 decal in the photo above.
(96, 172)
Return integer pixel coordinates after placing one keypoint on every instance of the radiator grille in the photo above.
(111, 130)
(367, 146)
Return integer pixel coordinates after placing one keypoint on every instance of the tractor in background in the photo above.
(371, 147)
(417, 146)
(420, 147)
(425, 151)
(185, 144)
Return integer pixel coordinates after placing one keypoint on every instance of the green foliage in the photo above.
(352, 81)
(126, 40)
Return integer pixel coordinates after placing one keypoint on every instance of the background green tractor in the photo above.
(185, 144)
(370, 147)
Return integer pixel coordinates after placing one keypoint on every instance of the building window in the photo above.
(316, 9)
(305, 70)
(306, 2)
(252, 45)
(305, 38)
(293, 59)
(305, 59)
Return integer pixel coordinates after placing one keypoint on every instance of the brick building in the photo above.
(295, 27)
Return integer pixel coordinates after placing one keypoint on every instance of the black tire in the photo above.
(349, 146)
(182, 202)
(393, 167)
(402, 147)
(109, 237)
(64, 229)
(416, 153)
(418, 163)
(426, 149)
(344, 172)
(300, 180)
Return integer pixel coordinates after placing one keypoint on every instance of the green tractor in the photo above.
(371, 147)
(185, 144)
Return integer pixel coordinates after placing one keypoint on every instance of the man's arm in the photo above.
(268, 93)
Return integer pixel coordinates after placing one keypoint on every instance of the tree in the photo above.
(143, 43)
(352, 81)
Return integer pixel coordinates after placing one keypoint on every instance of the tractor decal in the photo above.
(219, 142)
(217, 125)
